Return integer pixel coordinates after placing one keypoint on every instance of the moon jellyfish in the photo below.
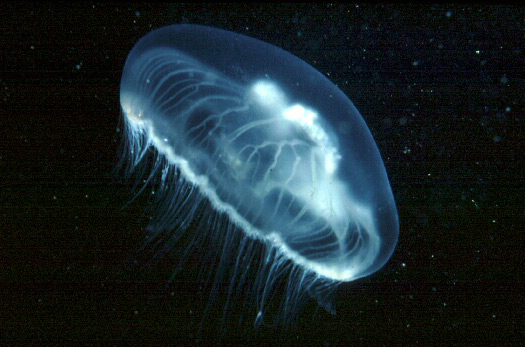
(259, 164)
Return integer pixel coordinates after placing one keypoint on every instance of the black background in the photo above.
(441, 88)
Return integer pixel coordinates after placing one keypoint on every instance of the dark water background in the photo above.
(439, 87)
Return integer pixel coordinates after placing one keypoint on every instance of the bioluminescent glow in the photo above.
(259, 152)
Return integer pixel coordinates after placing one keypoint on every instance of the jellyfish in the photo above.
(259, 162)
